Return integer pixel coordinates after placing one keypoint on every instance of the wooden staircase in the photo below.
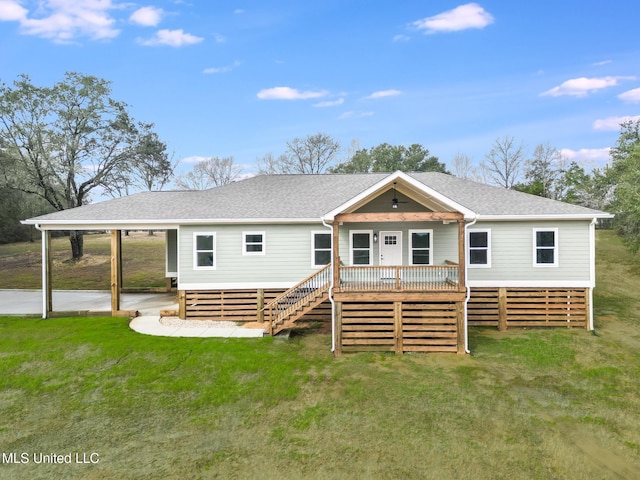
(286, 309)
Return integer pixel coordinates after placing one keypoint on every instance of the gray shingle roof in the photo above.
(296, 197)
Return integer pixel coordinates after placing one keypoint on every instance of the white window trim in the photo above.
(488, 248)
(421, 230)
(195, 250)
(556, 250)
(351, 232)
(313, 247)
(244, 243)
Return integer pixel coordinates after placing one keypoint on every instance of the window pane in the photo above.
(420, 240)
(360, 240)
(421, 257)
(478, 257)
(204, 242)
(253, 238)
(361, 257)
(545, 239)
(478, 239)
(544, 255)
(254, 248)
(205, 259)
(322, 257)
(322, 240)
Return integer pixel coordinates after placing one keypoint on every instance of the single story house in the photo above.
(397, 261)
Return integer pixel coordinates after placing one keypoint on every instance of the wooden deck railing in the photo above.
(399, 278)
(297, 297)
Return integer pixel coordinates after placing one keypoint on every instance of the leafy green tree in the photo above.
(63, 142)
(625, 175)
(389, 158)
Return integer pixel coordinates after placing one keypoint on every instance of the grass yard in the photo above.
(143, 263)
(528, 404)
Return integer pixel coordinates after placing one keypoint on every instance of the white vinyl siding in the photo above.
(512, 247)
(286, 262)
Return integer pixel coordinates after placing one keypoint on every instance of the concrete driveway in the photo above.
(29, 302)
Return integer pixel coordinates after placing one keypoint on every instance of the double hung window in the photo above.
(204, 255)
(545, 247)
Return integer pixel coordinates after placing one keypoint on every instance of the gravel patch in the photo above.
(176, 322)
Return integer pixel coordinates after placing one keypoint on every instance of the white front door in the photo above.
(390, 248)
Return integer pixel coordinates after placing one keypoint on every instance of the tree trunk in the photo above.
(76, 238)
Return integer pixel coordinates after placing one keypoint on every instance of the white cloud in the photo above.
(288, 93)
(587, 155)
(463, 17)
(147, 16)
(401, 38)
(172, 38)
(384, 93)
(238, 11)
(329, 103)
(613, 123)
(352, 114)
(63, 20)
(631, 96)
(11, 10)
(225, 69)
(581, 87)
(194, 159)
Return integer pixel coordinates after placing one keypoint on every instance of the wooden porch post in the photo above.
(116, 270)
(260, 305)
(462, 264)
(47, 292)
(502, 308)
(182, 305)
(397, 327)
(335, 260)
(338, 332)
(460, 346)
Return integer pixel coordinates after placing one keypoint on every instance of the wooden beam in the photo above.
(399, 296)
(460, 330)
(182, 305)
(260, 305)
(397, 327)
(502, 308)
(338, 329)
(398, 217)
(116, 274)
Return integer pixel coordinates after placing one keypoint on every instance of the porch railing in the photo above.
(399, 278)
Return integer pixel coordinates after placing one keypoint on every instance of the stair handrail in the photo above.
(290, 300)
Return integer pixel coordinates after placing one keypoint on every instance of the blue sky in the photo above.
(242, 78)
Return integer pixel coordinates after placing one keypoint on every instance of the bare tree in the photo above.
(270, 165)
(504, 162)
(545, 169)
(462, 166)
(212, 172)
(312, 154)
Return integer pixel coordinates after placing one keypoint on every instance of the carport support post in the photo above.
(116, 270)
(47, 297)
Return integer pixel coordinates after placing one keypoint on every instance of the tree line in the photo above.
(61, 144)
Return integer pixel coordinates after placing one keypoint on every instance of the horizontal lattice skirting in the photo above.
(398, 326)
(528, 307)
(238, 305)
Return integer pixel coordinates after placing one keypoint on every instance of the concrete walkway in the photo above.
(148, 305)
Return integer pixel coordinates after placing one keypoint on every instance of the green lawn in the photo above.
(528, 404)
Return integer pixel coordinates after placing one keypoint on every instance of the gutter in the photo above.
(468, 288)
(44, 269)
(331, 286)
